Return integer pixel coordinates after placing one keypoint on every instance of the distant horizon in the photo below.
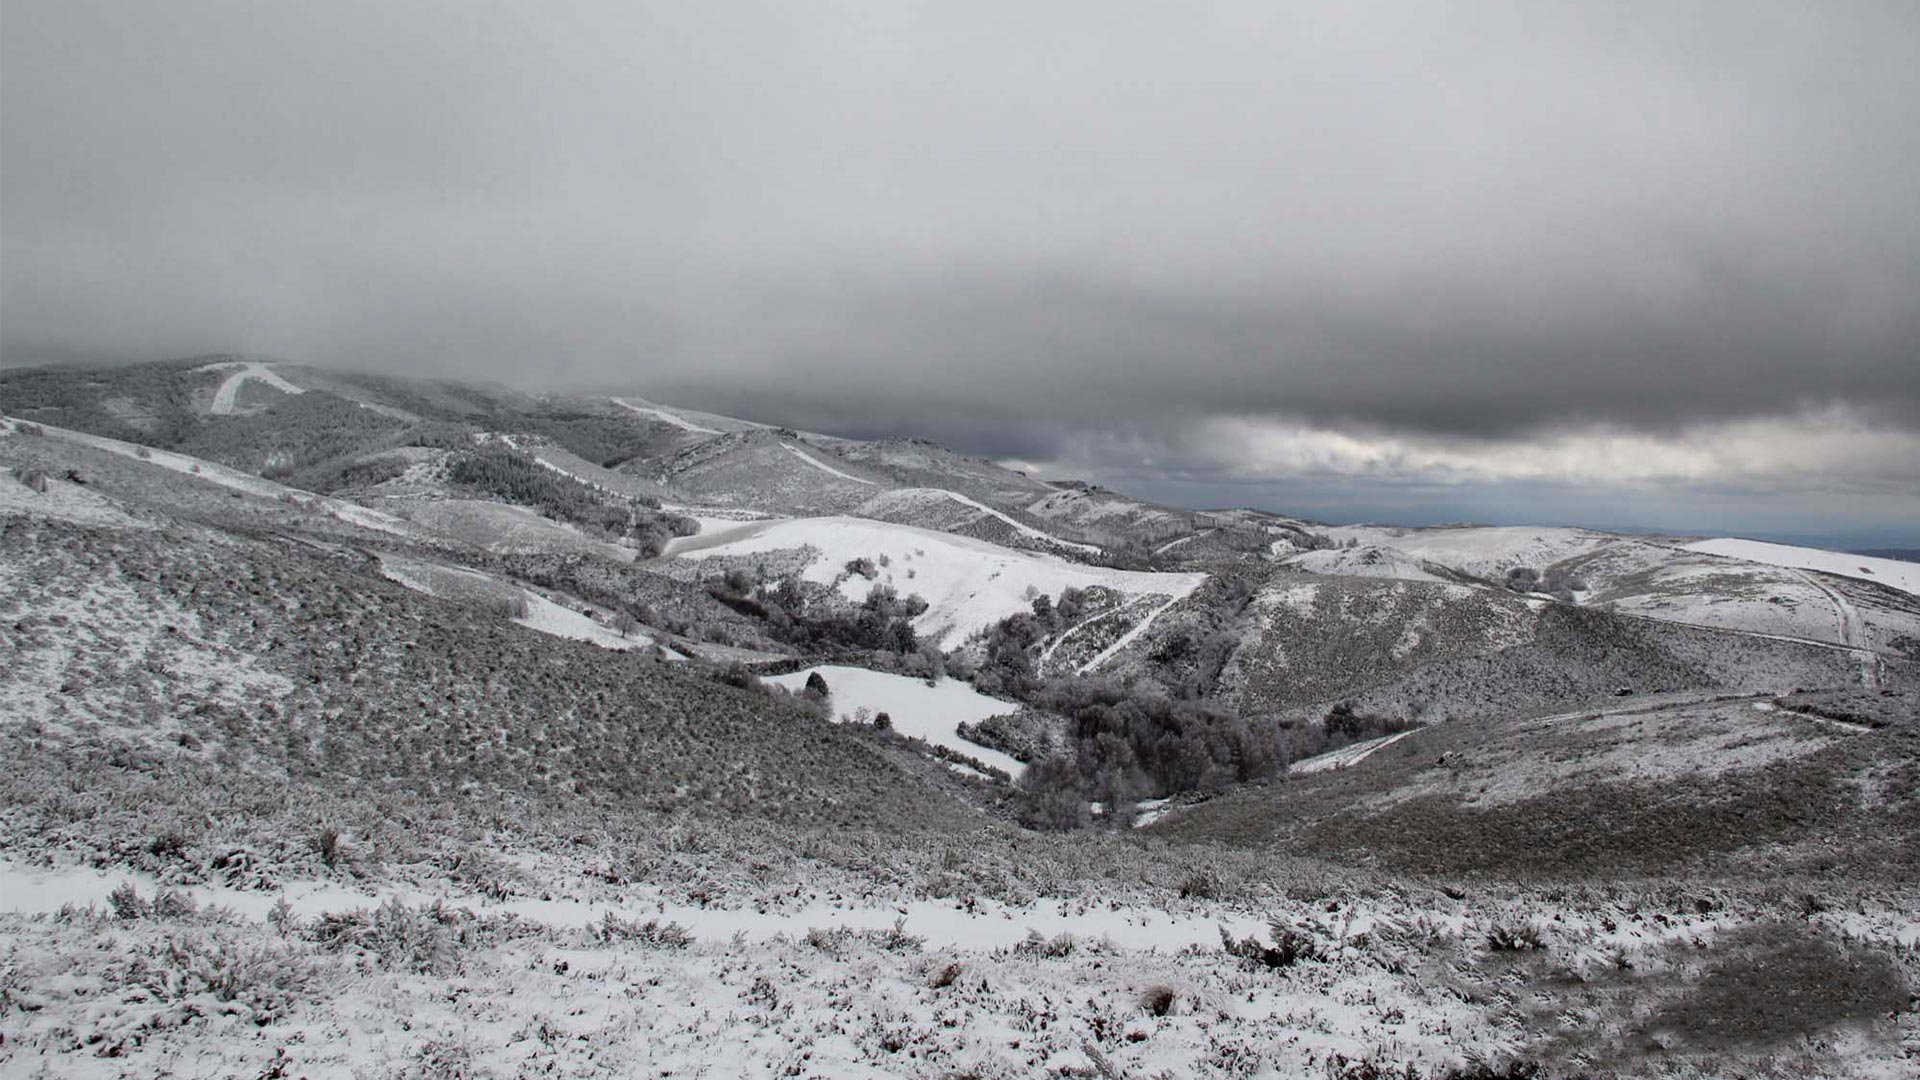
(1352, 501)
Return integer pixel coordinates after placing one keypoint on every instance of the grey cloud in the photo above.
(990, 223)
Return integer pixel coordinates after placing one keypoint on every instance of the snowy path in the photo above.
(246, 483)
(229, 392)
(666, 417)
(1849, 619)
(945, 924)
(1047, 653)
(824, 467)
(1347, 756)
(1023, 529)
(1171, 544)
(1129, 637)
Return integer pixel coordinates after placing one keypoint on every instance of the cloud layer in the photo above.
(1383, 238)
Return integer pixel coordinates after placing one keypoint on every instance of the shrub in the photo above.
(1200, 885)
(34, 478)
(653, 933)
(397, 936)
(326, 844)
(509, 607)
(1037, 944)
(1290, 946)
(1522, 938)
(1159, 1000)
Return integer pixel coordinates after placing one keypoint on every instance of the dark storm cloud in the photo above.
(1473, 221)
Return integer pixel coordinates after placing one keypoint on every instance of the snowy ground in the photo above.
(246, 483)
(247, 371)
(931, 713)
(337, 984)
(968, 584)
(662, 415)
(1892, 573)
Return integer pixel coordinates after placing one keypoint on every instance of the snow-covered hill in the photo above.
(968, 584)
(1893, 573)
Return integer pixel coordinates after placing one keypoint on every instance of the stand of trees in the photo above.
(518, 478)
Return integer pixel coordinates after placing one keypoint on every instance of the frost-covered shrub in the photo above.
(1159, 1000)
(1038, 944)
(653, 933)
(1523, 937)
(34, 478)
(1290, 946)
(396, 936)
(509, 607)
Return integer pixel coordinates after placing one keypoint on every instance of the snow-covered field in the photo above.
(1892, 573)
(1483, 551)
(357, 984)
(931, 713)
(968, 584)
(1369, 561)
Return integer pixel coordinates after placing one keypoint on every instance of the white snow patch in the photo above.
(932, 713)
(1892, 573)
(1023, 529)
(1346, 756)
(249, 371)
(968, 584)
(823, 466)
(550, 618)
(664, 416)
(1134, 633)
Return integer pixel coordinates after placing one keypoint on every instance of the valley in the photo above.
(362, 726)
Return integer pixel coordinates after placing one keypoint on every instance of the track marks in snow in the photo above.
(1849, 619)
(1347, 756)
(824, 467)
(1130, 636)
(1023, 529)
(1047, 653)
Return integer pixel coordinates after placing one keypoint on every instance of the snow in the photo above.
(1369, 561)
(1484, 551)
(550, 618)
(931, 713)
(246, 483)
(968, 584)
(1176, 542)
(1346, 756)
(1061, 639)
(1131, 635)
(63, 501)
(973, 925)
(1025, 530)
(823, 466)
(664, 416)
(1892, 573)
(223, 398)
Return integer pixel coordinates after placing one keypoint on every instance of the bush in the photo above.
(1522, 938)
(1159, 1000)
(1053, 948)
(653, 933)
(1290, 946)
(34, 478)
(509, 607)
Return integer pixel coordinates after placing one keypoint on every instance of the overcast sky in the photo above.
(1648, 264)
